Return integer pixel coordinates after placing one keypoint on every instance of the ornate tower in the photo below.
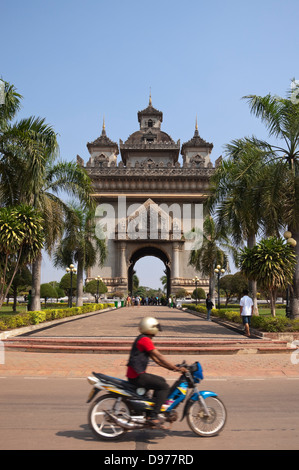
(147, 202)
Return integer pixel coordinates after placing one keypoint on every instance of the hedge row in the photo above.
(262, 323)
(34, 318)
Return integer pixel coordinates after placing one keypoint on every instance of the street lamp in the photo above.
(218, 270)
(195, 279)
(98, 279)
(292, 242)
(71, 270)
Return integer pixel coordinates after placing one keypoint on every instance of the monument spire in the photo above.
(104, 127)
(196, 128)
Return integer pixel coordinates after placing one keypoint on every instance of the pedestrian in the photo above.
(246, 311)
(29, 301)
(209, 305)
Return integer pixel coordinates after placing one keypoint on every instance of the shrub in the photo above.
(263, 323)
(34, 318)
(37, 317)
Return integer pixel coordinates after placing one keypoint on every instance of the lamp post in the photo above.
(71, 270)
(292, 242)
(218, 270)
(195, 279)
(98, 279)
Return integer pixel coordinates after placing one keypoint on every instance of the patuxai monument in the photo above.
(147, 202)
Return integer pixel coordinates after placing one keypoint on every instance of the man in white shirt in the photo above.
(246, 310)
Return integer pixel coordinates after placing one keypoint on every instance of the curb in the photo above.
(119, 345)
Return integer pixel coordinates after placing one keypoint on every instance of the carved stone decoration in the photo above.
(149, 201)
(99, 159)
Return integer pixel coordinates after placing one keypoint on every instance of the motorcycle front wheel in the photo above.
(203, 425)
(102, 426)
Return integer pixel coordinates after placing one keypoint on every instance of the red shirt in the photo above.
(144, 344)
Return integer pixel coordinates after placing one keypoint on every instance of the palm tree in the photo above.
(80, 244)
(21, 239)
(271, 262)
(279, 191)
(163, 280)
(31, 174)
(208, 253)
(233, 198)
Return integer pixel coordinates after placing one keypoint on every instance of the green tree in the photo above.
(237, 207)
(233, 285)
(47, 291)
(31, 174)
(140, 291)
(198, 293)
(80, 244)
(163, 280)
(209, 252)
(181, 294)
(21, 239)
(68, 282)
(271, 262)
(95, 287)
(135, 282)
(21, 282)
(278, 189)
(59, 291)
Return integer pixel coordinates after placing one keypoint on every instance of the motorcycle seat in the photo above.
(118, 382)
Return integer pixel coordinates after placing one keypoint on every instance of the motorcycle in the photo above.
(126, 408)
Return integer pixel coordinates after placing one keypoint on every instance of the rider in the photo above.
(142, 350)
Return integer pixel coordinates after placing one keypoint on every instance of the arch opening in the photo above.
(153, 252)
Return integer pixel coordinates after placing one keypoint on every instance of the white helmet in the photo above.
(149, 326)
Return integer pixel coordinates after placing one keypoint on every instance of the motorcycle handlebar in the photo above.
(188, 374)
(183, 364)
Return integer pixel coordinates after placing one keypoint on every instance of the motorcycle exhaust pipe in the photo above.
(124, 424)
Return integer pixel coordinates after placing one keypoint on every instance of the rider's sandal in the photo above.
(156, 423)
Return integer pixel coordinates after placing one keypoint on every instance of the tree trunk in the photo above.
(294, 291)
(80, 270)
(273, 302)
(212, 289)
(252, 285)
(15, 293)
(35, 291)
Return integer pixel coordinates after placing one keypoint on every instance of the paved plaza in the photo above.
(123, 323)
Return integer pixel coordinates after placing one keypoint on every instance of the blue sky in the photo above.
(75, 62)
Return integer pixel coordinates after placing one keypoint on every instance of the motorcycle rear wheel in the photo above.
(102, 426)
(207, 426)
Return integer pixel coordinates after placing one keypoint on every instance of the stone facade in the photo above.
(148, 202)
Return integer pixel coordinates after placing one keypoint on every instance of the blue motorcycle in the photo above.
(126, 407)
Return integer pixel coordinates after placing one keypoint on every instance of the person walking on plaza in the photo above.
(246, 311)
(142, 350)
(209, 305)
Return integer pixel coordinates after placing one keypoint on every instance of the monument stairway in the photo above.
(167, 345)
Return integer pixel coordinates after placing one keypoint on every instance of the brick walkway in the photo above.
(123, 323)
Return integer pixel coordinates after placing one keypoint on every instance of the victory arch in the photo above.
(148, 203)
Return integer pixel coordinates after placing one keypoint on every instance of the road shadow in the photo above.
(142, 437)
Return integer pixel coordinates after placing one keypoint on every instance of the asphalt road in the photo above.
(42, 413)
